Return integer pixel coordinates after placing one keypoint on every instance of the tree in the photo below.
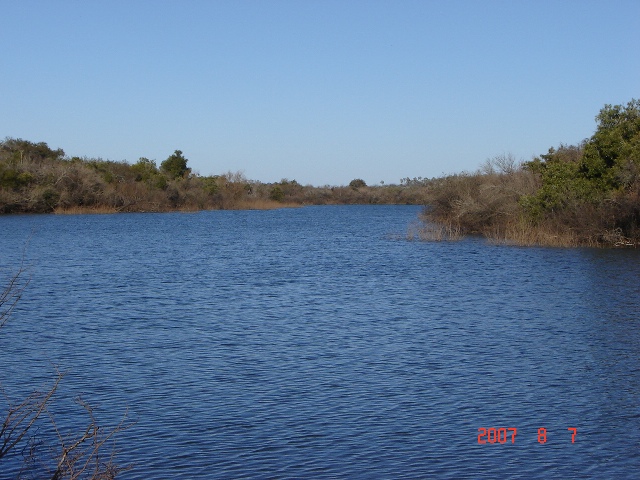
(144, 169)
(608, 162)
(357, 183)
(176, 165)
(614, 149)
(276, 194)
(24, 150)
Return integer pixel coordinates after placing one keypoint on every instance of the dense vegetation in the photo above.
(586, 194)
(37, 179)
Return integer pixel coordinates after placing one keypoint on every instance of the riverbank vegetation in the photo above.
(576, 195)
(35, 178)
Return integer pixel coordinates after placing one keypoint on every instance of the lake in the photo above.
(319, 342)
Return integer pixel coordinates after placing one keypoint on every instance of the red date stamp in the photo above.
(503, 435)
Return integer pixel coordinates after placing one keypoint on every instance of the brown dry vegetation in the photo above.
(484, 203)
(578, 195)
(37, 179)
(496, 206)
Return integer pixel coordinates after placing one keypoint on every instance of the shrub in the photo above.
(276, 194)
(144, 169)
(357, 183)
(583, 194)
(175, 166)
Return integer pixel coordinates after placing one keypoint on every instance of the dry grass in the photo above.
(488, 203)
(434, 232)
(524, 233)
(80, 210)
(243, 204)
(262, 204)
(518, 234)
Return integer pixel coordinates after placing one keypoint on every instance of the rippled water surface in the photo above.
(320, 343)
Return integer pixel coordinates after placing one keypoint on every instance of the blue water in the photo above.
(320, 343)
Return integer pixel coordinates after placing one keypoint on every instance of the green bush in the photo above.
(592, 172)
(160, 182)
(176, 165)
(614, 148)
(210, 185)
(357, 183)
(49, 198)
(144, 169)
(276, 194)
(586, 194)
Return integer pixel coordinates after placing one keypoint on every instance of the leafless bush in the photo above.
(434, 232)
(82, 455)
(474, 202)
(76, 456)
(500, 164)
(11, 294)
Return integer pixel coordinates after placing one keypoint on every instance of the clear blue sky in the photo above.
(318, 91)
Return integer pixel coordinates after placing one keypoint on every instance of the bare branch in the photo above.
(21, 417)
(80, 456)
(11, 294)
(83, 455)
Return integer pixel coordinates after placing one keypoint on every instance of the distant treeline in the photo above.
(37, 179)
(575, 195)
(586, 194)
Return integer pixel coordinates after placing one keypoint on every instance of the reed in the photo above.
(262, 204)
(82, 210)
(435, 232)
(489, 204)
